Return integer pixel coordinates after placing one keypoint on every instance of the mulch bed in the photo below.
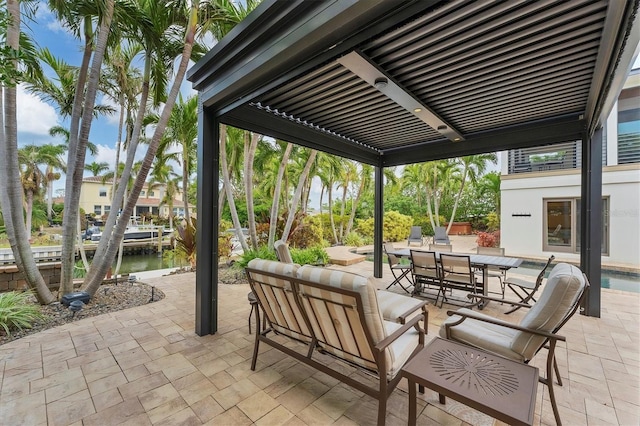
(110, 297)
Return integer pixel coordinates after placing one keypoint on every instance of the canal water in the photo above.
(132, 263)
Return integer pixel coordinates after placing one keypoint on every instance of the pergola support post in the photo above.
(378, 221)
(591, 220)
(206, 232)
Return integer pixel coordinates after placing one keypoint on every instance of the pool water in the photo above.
(609, 279)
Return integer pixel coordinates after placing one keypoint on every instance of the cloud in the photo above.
(35, 117)
(107, 155)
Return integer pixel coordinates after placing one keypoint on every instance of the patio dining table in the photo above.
(478, 261)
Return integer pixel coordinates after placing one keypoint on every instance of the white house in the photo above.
(540, 205)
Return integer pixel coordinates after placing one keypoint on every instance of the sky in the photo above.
(36, 117)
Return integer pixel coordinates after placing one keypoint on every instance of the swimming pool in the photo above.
(609, 279)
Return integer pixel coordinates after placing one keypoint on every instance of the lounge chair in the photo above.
(560, 299)
(525, 289)
(415, 236)
(440, 235)
(400, 272)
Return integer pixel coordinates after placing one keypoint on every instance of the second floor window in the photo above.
(103, 192)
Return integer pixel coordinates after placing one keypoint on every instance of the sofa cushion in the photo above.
(277, 298)
(394, 305)
(350, 337)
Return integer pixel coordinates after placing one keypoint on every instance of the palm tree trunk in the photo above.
(275, 205)
(297, 194)
(250, 153)
(457, 199)
(77, 150)
(227, 185)
(185, 184)
(11, 188)
(94, 279)
(331, 219)
(29, 212)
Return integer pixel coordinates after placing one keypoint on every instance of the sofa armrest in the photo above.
(412, 323)
(478, 317)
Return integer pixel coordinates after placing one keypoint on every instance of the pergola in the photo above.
(393, 82)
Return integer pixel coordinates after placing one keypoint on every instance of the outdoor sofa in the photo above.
(340, 314)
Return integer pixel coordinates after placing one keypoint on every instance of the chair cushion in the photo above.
(490, 337)
(401, 349)
(393, 305)
(560, 294)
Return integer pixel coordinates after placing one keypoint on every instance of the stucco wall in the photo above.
(522, 215)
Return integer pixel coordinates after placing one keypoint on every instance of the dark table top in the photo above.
(499, 387)
(505, 262)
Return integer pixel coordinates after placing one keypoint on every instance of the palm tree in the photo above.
(275, 204)
(182, 130)
(472, 167)
(365, 185)
(11, 190)
(328, 171)
(298, 194)
(97, 168)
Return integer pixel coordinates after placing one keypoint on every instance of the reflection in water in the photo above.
(146, 262)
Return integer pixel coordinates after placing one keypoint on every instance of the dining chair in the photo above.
(493, 271)
(447, 248)
(425, 270)
(457, 274)
(399, 271)
(525, 289)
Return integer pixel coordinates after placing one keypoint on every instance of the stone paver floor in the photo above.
(146, 365)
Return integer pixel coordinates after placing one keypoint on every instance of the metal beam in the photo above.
(591, 220)
(270, 124)
(207, 228)
(543, 132)
(378, 221)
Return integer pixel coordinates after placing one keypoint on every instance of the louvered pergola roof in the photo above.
(462, 77)
(392, 82)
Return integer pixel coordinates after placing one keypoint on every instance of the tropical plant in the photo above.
(17, 311)
(186, 242)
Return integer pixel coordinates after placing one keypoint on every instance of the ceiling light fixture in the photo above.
(417, 110)
(380, 83)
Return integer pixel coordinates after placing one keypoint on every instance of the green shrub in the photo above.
(396, 226)
(493, 221)
(353, 239)
(310, 256)
(17, 312)
(307, 234)
(262, 252)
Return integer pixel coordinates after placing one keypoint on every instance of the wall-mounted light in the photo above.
(380, 83)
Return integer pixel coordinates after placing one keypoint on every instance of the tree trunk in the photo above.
(250, 153)
(297, 194)
(227, 185)
(11, 188)
(29, 212)
(78, 138)
(331, 219)
(275, 204)
(99, 268)
(185, 184)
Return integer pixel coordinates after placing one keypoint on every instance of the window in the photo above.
(151, 194)
(103, 192)
(562, 225)
(142, 192)
(97, 210)
(629, 126)
(107, 209)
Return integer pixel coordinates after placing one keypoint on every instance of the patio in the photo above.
(146, 365)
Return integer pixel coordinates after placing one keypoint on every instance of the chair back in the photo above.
(275, 295)
(441, 248)
(391, 258)
(424, 265)
(282, 252)
(440, 235)
(559, 300)
(540, 276)
(343, 314)
(415, 235)
(490, 251)
(457, 268)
